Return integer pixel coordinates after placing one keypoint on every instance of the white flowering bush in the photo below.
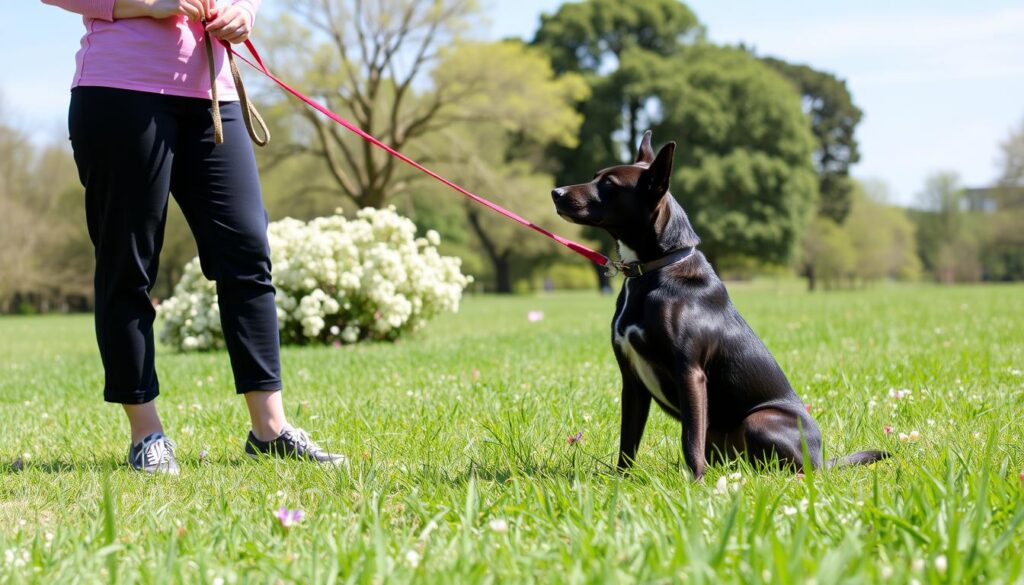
(338, 280)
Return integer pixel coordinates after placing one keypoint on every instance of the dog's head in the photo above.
(622, 196)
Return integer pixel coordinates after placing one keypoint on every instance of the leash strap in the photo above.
(250, 115)
(257, 63)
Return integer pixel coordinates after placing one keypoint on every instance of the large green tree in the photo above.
(744, 170)
(834, 119)
(591, 38)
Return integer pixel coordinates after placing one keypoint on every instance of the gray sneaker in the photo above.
(154, 454)
(292, 443)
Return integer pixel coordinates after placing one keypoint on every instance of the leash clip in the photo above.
(614, 268)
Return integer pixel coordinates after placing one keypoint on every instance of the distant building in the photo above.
(992, 199)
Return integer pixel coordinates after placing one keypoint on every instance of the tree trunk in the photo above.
(502, 275)
(604, 284)
(811, 281)
(500, 260)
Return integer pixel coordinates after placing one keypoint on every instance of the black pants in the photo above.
(132, 150)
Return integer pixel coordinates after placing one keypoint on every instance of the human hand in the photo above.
(195, 10)
(230, 23)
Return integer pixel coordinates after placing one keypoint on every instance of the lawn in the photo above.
(461, 470)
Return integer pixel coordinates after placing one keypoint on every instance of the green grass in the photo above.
(466, 424)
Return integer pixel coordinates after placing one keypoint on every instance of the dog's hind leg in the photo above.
(776, 433)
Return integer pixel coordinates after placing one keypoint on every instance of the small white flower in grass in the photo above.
(218, 581)
(941, 564)
(534, 316)
(413, 558)
(789, 510)
(722, 485)
(498, 525)
(885, 572)
(912, 437)
(917, 565)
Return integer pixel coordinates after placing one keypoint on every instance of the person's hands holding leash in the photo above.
(230, 23)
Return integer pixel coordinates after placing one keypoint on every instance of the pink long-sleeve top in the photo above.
(146, 54)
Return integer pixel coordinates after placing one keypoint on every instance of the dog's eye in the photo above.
(607, 181)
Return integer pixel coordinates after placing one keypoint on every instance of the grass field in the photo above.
(461, 470)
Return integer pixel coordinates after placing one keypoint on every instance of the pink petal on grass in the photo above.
(573, 439)
(887, 430)
(534, 316)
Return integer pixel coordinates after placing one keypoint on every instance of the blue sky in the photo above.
(941, 82)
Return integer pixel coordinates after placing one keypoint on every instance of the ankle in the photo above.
(268, 430)
(139, 434)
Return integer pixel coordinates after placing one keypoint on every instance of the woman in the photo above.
(141, 127)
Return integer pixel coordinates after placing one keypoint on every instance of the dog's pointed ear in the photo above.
(660, 171)
(645, 154)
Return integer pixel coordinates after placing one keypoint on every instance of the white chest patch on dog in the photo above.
(626, 253)
(641, 366)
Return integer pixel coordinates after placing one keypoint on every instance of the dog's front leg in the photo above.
(694, 410)
(636, 405)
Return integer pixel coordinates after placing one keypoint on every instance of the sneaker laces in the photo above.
(301, 438)
(159, 453)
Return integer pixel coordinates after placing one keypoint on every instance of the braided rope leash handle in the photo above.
(250, 115)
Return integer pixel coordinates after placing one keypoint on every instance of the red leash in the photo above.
(593, 255)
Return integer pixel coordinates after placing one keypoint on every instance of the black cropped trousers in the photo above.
(133, 150)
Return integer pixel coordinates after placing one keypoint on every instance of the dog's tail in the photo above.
(858, 458)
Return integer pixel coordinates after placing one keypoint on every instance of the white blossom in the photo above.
(367, 278)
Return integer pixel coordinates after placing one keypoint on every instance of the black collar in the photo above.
(635, 269)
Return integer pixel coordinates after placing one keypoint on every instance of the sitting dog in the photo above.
(679, 340)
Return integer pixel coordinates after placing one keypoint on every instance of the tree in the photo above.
(1003, 249)
(367, 59)
(882, 237)
(499, 156)
(828, 254)
(45, 255)
(744, 163)
(591, 38)
(834, 119)
(946, 240)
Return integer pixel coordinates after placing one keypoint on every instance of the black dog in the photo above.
(678, 338)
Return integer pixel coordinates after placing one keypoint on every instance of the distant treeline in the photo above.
(762, 167)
